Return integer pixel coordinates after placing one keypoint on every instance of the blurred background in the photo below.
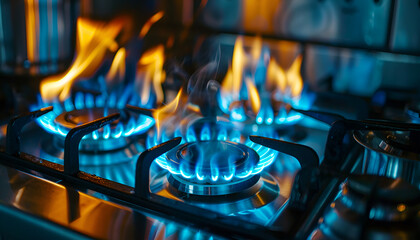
(349, 46)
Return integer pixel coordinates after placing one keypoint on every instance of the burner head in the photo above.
(110, 137)
(213, 152)
(394, 154)
(212, 161)
(85, 107)
(222, 166)
(372, 207)
(75, 118)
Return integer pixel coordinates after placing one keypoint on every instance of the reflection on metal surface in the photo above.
(81, 213)
(406, 31)
(36, 35)
(358, 22)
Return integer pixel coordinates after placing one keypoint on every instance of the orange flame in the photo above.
(146, 27)
(294, 79)
(276, 77)
(256, 48)
(150, 71)
(254, 96)
(117, 69)
(93, 41)
(232, 82)
(282, 81)
(234, 79)
(166, 111)
(288, 83)
(238, 64)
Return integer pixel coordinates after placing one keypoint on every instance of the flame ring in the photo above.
(205, 130)
(134, 125)
(213, 161)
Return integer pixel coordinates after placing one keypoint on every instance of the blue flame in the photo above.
(267, 115)
(205, 133)
(238, 114)
(135, 124)
(215, 174)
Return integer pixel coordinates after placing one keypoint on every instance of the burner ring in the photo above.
(184, 186)
(78, 117)
(85, 107)
(212, 162)
(100, 140)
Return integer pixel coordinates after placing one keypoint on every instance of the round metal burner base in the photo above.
(179, 184)
(258, 200)
(80, 116)
(72, 119)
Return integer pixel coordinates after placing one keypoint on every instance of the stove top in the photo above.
(135, 140)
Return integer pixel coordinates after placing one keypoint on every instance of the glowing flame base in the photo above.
(200, 162)
(135, 124)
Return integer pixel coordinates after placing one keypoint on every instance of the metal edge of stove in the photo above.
(35, 227)
(352, 164)
(158, 206)
(60, 212)
(17, 209)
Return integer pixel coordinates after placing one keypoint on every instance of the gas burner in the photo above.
(86, 107)
(258, 89)
(213, 167)
(372, 207)
(218, 167)
(112, 144)
(255, 198)
(213, 151)
(393, 154)
(106, 139)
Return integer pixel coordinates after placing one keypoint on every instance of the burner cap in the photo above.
(400, 144)
(84, 108)
(372, 207)
(386, 189)
(75, 118)
(382, 198)
(212, 161)
(100, 140)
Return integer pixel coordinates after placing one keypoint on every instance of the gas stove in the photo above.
(208, 135)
